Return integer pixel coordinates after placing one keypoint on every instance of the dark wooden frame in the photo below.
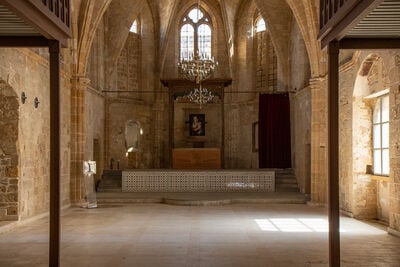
(333, 130)
(202, 119)
(54, 49)
(254, 136)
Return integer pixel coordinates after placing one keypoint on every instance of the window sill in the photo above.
(381, 178)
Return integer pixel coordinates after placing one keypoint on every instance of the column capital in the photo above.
(316, 82)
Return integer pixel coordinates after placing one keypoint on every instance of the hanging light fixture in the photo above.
(200, 96)
(198, 67)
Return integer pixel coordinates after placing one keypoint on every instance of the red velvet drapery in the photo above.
(274, 131)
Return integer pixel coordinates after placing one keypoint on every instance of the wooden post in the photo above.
(54, 244)
(333, 156)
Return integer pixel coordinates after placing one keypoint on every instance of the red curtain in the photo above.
(274, 131)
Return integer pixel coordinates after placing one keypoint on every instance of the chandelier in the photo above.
(198, 67)
(200, 96)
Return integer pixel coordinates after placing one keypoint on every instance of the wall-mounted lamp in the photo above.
(23, 97)
(141, 131)
(36, 102)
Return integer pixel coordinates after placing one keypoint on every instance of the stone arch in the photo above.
(371, 78)
(84, 27)
(214, 10)
(119, 23)
(306, 14)
(9, 156)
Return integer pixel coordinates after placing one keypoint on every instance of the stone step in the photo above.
(285, 181)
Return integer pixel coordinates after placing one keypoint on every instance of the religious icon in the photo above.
(197, 125)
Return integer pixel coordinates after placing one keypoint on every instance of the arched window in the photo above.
(195, 34)
(380, 121)
(266, 63)
(260, 25)
(134, 27)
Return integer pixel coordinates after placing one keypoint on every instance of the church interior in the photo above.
(210, 126)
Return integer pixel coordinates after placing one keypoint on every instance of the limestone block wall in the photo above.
(213, 124)
(319, 136)
(301, 137)
(95, 118)
(128, 67)
(27, 70)
(239, 119)
(392, 62)
(9, 176)
(119, 112)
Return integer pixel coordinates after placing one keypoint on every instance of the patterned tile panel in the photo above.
(198, 181)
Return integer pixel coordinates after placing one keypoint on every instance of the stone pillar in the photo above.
(319, 138)
(394, 187)
(78, 135)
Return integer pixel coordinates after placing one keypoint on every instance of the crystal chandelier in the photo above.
(198, 67)
(200, 96)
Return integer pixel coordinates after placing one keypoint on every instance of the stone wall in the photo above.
(9, 175)
(27, 70)
(120, 111)
(95, 118)
(301, 138)
(213, 125)
(128, 67)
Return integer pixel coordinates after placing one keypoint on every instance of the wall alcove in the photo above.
(195, 150)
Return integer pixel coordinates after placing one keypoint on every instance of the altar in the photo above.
(198, 181)
(196, 158)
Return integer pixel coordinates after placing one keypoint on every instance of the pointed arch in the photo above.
(90, 15)
(306, 14)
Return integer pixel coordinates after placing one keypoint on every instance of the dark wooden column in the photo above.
(333, 153)
(54, 245)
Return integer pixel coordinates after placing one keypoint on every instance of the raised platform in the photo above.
(198, 181)
(202, 199)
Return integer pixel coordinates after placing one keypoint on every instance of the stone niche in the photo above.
(182, 110)
(8, 153)
(211, 113)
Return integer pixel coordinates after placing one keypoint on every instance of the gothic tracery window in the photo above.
(195, 33)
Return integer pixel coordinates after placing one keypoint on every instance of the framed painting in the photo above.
(197, 125)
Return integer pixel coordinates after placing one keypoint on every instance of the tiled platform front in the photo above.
(198, 181)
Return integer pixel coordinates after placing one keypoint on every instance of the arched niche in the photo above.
(371, 80)
(9, 174)
(133, 131)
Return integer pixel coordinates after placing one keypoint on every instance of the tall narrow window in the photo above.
(195, 34)
(134, 27)
(260, 25)
(266, 61)
(381, 136)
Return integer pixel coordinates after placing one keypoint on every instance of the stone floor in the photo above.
(228, 235)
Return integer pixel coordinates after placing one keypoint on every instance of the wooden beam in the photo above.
(23, 41)
(34, 13)
(370, 43)
(54, 246)
(333, 153)
(342, 25)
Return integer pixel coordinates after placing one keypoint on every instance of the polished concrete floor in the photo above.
(228, 235)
